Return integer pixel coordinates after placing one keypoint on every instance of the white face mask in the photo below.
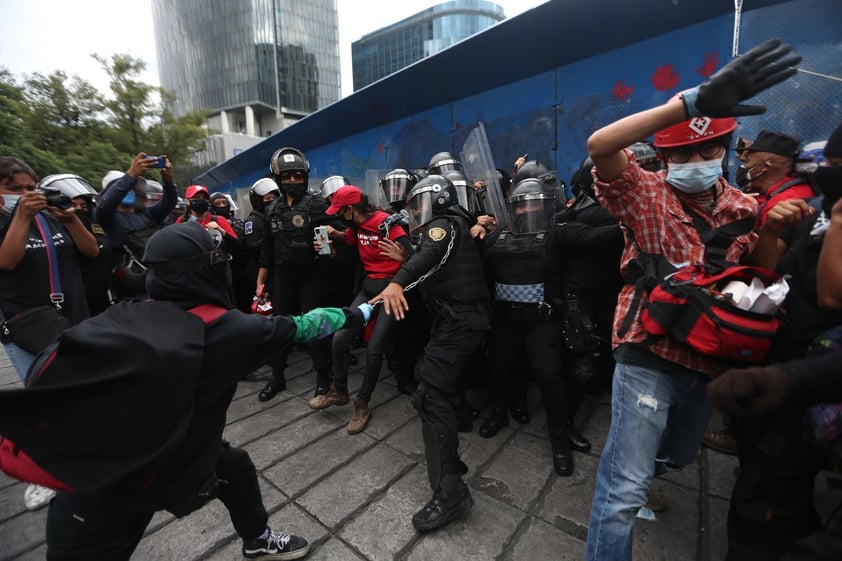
(694, 177)
(10, 202)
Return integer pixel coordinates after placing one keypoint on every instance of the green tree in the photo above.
(132, 102)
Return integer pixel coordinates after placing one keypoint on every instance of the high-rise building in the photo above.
(391, 48)
(256, 65)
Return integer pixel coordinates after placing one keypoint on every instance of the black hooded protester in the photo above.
(140, 429)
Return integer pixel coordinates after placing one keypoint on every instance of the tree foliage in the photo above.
(61, 124)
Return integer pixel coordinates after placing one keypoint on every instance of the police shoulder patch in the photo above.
(249, 227)
(437, 234)
(97, 229)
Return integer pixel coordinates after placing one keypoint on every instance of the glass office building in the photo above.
(391, 48)
(258, 64)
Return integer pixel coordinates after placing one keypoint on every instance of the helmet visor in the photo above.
(420, 208)
(71, 187)
(332, 184)
(395, 186)
(530, 214)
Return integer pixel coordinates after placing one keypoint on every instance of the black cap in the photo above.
(833, 148)
(775, 143)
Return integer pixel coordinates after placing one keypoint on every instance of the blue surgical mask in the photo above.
(10, 202)
(694, 177)
(129, 199)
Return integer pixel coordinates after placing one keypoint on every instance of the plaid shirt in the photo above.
(644, 203)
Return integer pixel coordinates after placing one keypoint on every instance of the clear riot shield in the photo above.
(372, 188)
(478, 164)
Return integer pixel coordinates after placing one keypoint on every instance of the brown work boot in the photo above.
(332, 397)
(724, 441)
(657, 501)
(360, 416)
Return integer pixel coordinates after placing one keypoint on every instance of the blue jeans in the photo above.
(19, 358)
(657, 421)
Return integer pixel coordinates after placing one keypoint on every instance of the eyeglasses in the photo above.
(707, 150)
(293, 174)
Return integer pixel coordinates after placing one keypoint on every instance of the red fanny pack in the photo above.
(690, 308)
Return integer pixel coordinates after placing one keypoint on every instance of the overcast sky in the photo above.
(47, 35)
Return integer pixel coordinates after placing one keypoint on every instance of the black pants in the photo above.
(541, 343)
(772, 501)
(114, 535)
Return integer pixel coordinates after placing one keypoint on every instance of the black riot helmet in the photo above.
(154, 192)
(287, 161)
(260, 189)
(535, 170)
(431, 196)
(443, 162)
(531, 207)
(69, 185)
(581, 184)
(396, 184)
(464, 191)
(332, 184)
(646, 156)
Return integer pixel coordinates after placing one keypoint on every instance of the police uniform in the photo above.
(456, 296)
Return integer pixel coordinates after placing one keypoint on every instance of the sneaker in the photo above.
(360, 416)
(724, 441)
(36, 496)
(332, 397)
(276, 546)
(657, 501)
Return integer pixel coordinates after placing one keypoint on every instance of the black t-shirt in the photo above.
(28, 284)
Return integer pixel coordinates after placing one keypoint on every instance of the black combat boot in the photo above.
(576, 440)
(562, 455)
(453, 501)
(498, 419)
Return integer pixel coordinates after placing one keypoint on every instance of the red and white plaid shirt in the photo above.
(645, 204)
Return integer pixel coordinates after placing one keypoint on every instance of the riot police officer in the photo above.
(449, 268)
(526, 262)
(299, 281)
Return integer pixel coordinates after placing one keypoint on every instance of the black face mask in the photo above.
(293, 190)
(829, 182)
(199, 205)
(222, 211)
(743, 176)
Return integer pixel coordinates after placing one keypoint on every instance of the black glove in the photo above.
(759, 69)
(353, 318)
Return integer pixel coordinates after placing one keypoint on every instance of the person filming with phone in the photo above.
(128, 222)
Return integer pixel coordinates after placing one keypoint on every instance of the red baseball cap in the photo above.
(193, 190)
(344, 196)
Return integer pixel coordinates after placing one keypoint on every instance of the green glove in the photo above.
(759, 69)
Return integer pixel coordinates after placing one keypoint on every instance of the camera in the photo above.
(58, 200)
(161, 161)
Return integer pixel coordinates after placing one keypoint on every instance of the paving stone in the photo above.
(407, 439)
(519, 472)
(249, 404)
(270, 448)
(717, 533)
(289, 520)
(37, 554)
(675, 534)
(353, 485)
(480, 537)
(199, 533)
(6, 481)
(268, 420)
(22, 533)
(388, 416)
(333, 550)
(567, 504)
(720, 473)
(597, 427)
(385, 527)
(689, 476)
(540, 540)
(295, 473)
(475, 450)
(11, 500)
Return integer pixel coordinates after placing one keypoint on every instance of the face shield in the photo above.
(531, 213)
(396, 184)
(420, 208)
(332, 184)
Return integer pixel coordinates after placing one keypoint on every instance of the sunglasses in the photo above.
(707, 150)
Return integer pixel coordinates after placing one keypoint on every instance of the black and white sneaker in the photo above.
(276, 546)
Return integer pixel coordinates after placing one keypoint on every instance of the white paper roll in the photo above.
(736, 289)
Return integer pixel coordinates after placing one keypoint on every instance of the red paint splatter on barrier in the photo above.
(665, 78)
(709, 63)
(380, 148)
(621, 91)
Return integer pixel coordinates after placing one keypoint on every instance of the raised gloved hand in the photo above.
(759, 69)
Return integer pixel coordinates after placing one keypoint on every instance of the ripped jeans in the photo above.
(657, 422)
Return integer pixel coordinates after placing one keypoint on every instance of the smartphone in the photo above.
(160, 161)
(322, 237)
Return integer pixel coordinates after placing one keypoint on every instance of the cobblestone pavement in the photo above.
(353, 496)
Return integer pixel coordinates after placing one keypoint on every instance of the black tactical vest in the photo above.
(462, 278)
(291, 230)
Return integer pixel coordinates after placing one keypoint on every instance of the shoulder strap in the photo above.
(780, 189)
(718, 240)
(56, 295)
(208, 313)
